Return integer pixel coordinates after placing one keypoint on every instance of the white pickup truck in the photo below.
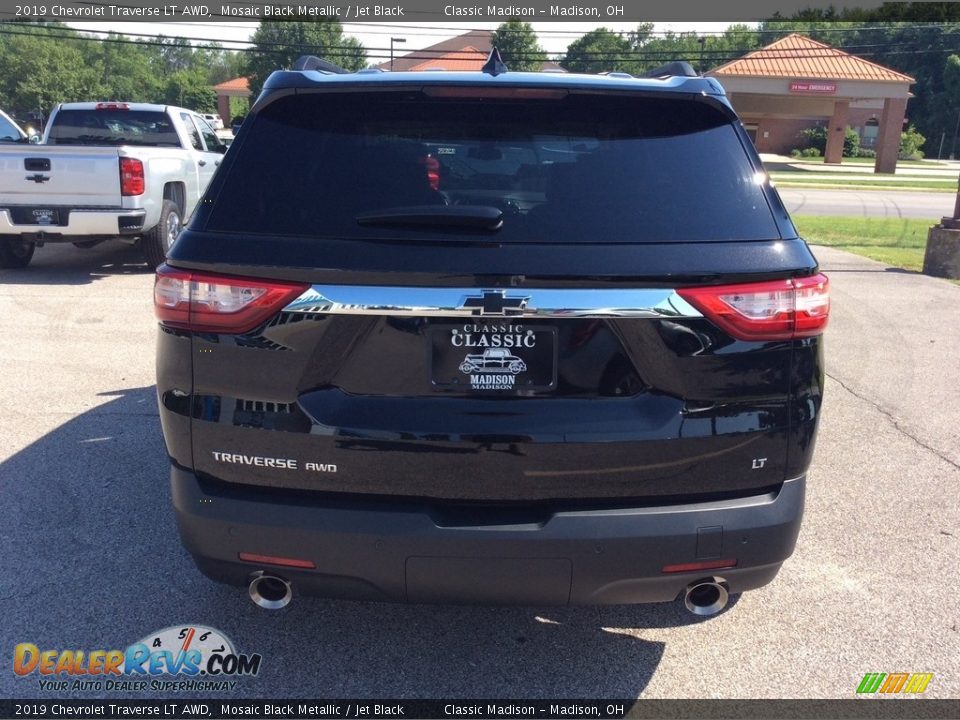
(106, 170)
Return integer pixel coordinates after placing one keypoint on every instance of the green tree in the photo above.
(951, 80)
(278, 44)
(190, 89)
(38, 71)
(221, 65)
(642, 35)
(600, 50)
(518, 46)
(702, 51)
(127, 70)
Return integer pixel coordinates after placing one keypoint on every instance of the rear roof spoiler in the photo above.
(312, 62)
(677, 68)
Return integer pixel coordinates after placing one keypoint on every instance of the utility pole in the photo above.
(953, 145)
(392, 41)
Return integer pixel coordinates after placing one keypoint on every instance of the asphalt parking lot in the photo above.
(91, 559)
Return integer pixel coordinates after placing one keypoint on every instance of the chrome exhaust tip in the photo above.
(269, 591)
(706, 597)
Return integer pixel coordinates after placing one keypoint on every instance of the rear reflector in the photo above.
(703, 565)
(274, 560)
(203, 302)
(131, 176)
(775, 310)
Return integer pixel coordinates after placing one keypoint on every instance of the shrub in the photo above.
(851, 143)
(866, 153)
(910, 143)
(811, 152)
(816, 137)
(796, 152)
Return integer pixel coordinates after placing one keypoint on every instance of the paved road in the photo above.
(90, 557)
(868, 203)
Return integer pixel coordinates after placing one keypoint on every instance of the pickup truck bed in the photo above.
(105, 170)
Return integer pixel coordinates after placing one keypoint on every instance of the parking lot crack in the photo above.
(893, 421)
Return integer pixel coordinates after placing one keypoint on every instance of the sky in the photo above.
(553, 36)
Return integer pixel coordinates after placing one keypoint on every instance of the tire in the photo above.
(156, 242)
(15, 253)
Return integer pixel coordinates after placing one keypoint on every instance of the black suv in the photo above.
(491, 337)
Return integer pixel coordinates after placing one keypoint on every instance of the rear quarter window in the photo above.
(581, 168)
(8, 132)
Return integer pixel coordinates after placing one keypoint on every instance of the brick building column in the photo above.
(836, 131)
(888, 137)
(223, 109)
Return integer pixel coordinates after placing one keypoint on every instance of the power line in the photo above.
(635, 54)
(393, 27)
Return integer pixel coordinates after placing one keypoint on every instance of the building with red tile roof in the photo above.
(797, 82)
(237, 87)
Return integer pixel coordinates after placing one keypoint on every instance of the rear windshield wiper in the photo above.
(476, 217)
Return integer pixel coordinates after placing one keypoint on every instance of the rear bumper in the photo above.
(80, 222)
(376, 551)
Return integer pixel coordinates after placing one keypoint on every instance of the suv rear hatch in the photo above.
(471, 294)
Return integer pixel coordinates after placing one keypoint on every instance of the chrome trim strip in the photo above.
(490, 302)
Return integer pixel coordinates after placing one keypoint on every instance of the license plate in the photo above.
(37, 216)
(489, 356)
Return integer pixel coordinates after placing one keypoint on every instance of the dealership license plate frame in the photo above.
(41, 217)
(446, 359)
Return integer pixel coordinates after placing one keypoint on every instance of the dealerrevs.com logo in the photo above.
(894, 683)
(186, 657)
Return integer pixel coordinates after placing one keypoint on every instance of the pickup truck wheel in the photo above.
(157, 241)
(15, 253)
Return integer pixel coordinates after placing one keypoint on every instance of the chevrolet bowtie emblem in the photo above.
(38, 178)
(495, 302)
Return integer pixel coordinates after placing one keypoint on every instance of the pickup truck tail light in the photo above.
(204, 302)
(776, 310)
(131, 177)
(433, 170)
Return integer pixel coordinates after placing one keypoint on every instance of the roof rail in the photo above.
(312, 62)
(677, 68)
(494, 65)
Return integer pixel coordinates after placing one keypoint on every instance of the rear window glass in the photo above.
(581, 168)
(112, 127)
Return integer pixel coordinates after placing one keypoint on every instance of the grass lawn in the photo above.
(871, 161)
(801, 179)
(899, 242)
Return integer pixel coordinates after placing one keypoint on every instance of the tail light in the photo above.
(213, 303)
(112, 106)
(776, 310)
(131, 177)
(433, 170)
